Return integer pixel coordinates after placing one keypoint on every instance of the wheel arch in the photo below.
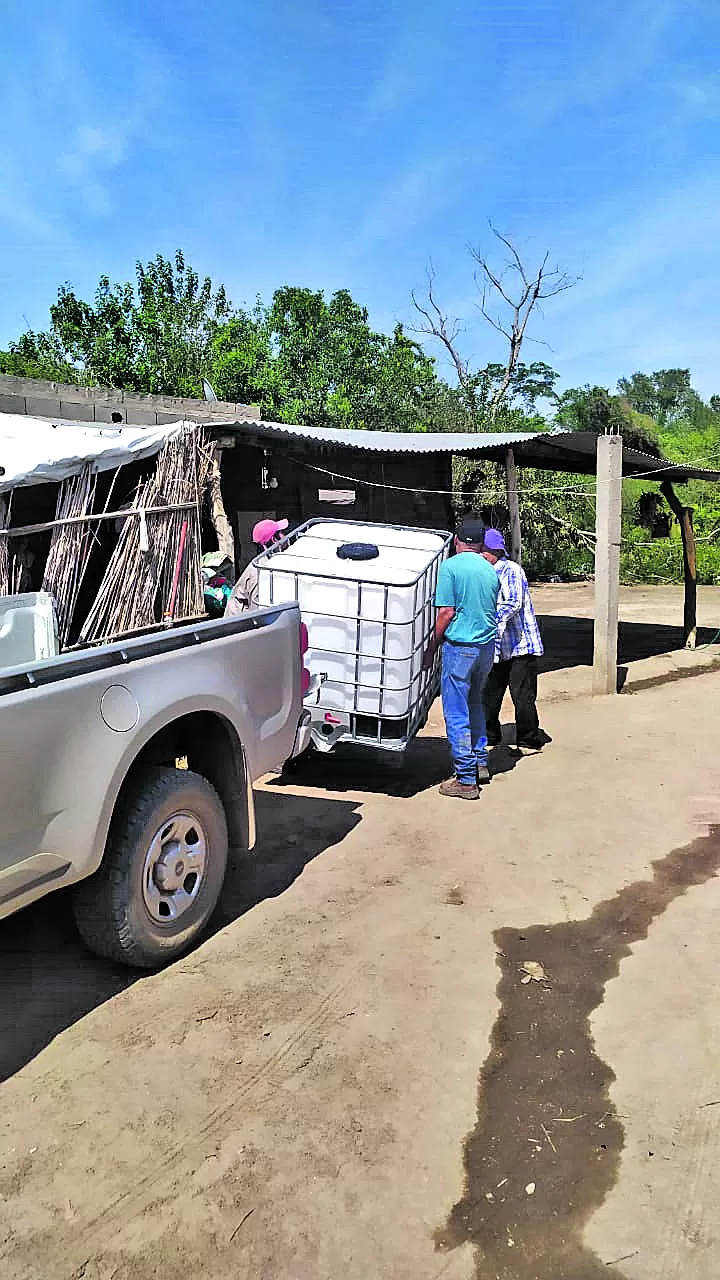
(212, 747)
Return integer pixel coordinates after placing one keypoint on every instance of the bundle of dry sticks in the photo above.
(70, 547)
(4, 548)
(154, 571)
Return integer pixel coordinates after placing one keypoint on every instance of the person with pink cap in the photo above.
(244, 595)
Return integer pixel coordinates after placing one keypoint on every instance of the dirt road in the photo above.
(351, 1079)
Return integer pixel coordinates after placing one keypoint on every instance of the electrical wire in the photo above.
(573, 489)
(443, 493)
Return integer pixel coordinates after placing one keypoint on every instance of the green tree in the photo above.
(665, 395)
(596, 409)
(38, 355)
(307, 359)
(468, 406)
(302, 359)
(155, 336)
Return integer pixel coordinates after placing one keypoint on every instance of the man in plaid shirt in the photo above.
(516, 653)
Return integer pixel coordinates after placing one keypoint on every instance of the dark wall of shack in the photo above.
(302, 473)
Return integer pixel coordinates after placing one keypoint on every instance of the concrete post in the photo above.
(607, 562)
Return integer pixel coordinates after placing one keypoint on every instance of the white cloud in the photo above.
(393, 89)
(93, 153)
(67, 127)
(633, 34)
(699, 98)
(418, 192)
(648, 297)
(91, 145)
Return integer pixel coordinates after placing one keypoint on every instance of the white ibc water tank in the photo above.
(368, 619)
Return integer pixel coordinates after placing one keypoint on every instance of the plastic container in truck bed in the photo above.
(369, 613)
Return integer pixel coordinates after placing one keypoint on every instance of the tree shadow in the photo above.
(49, 980)
(568, 641)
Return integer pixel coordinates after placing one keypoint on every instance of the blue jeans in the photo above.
(465, 668)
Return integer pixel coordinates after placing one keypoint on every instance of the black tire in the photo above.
(110, 907)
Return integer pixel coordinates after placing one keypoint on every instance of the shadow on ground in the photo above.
(426, 764)
(293, 830)
(48, 980)
(569, 641)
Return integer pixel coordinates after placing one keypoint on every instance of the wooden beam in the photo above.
(607, 562)
(513, 502)
(128, 513)
(685, 519)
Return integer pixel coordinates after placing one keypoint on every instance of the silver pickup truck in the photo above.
(126, 771)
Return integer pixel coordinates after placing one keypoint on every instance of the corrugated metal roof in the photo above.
(572, 451)
(384, 441)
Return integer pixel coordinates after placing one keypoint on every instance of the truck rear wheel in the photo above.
(162, 871)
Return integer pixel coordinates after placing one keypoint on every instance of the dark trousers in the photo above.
(521, 675)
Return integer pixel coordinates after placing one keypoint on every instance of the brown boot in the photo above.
(459, 790)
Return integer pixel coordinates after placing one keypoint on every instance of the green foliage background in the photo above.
(308, 359)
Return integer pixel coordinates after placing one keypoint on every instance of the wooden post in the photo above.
(513, 506)
(218, 514)
(685, 519)
(607, 562)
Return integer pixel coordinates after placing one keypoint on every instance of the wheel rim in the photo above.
(175, 867)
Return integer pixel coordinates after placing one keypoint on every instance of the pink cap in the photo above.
(265, 530)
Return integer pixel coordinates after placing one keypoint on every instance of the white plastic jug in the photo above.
(28, 629)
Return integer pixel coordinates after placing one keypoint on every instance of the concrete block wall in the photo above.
(36, 398)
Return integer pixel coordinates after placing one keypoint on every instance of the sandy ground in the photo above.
(350, 1079)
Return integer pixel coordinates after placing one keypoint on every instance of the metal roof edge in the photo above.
(431, 442)
(385, 441)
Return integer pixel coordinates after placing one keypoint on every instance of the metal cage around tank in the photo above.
(377, 729)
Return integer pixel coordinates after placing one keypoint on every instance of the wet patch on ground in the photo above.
(546, 1149)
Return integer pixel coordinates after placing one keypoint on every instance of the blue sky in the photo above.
(339, 145)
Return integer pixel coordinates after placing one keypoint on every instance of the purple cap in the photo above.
(494, 541)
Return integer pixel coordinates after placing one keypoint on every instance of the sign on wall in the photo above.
(341, 497)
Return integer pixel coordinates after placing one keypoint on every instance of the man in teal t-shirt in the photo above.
(466, 626)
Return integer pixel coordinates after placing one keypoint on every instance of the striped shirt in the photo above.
(518, 631)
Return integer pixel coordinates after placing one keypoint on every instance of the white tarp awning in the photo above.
(41, 450)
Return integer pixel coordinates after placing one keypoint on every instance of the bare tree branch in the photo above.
(545, 283)
(514, 254)
(440, 326)
(496, 324)
(517, 293)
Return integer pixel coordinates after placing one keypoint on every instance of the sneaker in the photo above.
(483, 775)
(459, 790)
